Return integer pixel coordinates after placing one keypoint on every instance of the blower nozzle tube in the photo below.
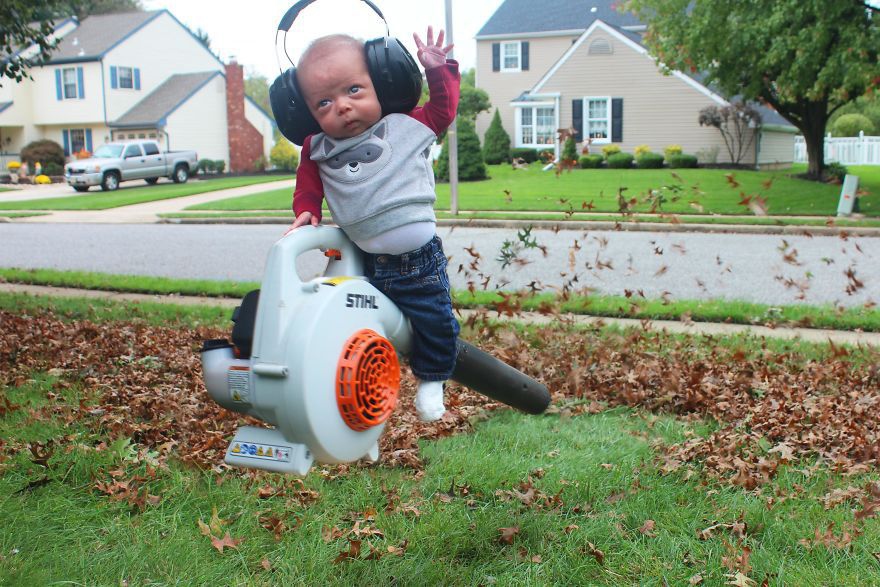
(496, 379)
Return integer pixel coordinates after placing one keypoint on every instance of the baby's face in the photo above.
(339, 92)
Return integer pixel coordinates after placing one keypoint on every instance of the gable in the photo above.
(96, 35)
(168, 97)
(517, 17)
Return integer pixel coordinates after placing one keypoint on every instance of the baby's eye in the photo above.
(354, 89)
(323, 103)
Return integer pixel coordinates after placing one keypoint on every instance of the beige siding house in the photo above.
(583, 66)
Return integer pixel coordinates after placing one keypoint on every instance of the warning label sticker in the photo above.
(237, 380)
(265, 452)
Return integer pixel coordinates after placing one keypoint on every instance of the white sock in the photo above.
(429, 401)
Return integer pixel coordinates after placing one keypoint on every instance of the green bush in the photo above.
(593, 161)
(849, 125)
(671, 150)
(641, 150)
(284, 156)
(45, 151)
(835, 172)
(569, 150)
(649, 161)
(205, 166)
(52, 168)
(219, 165)
(524, 153)
(496, 142)
(609, 150)
(470, 157)
(620, 161)
(681, 161)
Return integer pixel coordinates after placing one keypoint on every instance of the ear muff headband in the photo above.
(393, 71)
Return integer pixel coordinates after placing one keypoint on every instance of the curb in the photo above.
(813, 335)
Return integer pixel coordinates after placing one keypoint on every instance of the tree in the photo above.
(804, 58)
(24, 23)
(83, 8)
(496, 142)
(470, 158)
(284, 156)
(256, 87)
(738, 125)
(203, 38)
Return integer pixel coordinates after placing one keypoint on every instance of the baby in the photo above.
(379, 185)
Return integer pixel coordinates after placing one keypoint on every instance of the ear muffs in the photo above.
(393, 71)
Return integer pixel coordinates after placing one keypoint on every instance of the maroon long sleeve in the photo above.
(437, 114)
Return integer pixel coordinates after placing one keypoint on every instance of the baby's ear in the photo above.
(380, 129)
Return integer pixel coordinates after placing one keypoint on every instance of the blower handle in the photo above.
(324, 238)
(496, 379)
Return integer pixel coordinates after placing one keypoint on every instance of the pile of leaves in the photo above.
(145, 383)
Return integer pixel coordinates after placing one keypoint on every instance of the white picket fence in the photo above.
(860, 150)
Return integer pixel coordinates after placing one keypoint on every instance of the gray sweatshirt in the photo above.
(380, 179)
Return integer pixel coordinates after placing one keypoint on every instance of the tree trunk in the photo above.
(813, 127)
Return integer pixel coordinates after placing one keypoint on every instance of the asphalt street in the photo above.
(770, 269)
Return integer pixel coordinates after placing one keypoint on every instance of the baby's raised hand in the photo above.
(432, 54)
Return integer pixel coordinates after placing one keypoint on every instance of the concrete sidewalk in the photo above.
(813, 335)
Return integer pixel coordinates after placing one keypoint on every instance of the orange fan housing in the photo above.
(367, 380)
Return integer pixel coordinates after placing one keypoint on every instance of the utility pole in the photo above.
(452, 132)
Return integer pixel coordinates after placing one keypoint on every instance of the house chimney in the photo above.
(245, 141)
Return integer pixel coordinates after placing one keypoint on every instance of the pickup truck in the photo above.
(113, 163)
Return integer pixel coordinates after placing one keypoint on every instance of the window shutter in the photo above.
(89, 140)
(66, 134)
(524, 56)
(137, 78)
(114, 77)
(616, 120)
(577, 118)
(79, 82)
(496, 56)
(58, 91)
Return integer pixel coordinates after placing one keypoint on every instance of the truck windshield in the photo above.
(108, 152)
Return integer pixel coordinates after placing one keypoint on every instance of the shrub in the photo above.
(260, 163)
(835, 172)
(524, 153)
(496, 142)
(53, 169)
(13, 166)
(219, 165)
(649, 161)
(671, 150)
(849, 125)
(42, 179)
(609, 150)
(593, 161)
(569, 150)
(470, 157)
(681, 161)
(641, 150)
(45, 151)
(284, 156)
(620, 161)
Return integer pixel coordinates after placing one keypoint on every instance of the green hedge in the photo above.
(620, 161)
(528, 155)
(591, 161)
(649, 161)
(681, 161)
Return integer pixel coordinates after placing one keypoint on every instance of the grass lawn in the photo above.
(94, 490)
(136, 193)
(693, 191)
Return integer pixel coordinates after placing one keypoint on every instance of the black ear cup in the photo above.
(395, 75)
(291, 113)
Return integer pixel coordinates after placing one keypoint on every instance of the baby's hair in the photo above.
(327, 43)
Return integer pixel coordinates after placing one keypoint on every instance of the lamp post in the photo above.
(452, 133)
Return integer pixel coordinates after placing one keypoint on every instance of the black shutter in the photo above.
(524, 56)
(616, 120)
(577, 118)
(496, 56)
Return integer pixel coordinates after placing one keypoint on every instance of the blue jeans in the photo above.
(417, 283)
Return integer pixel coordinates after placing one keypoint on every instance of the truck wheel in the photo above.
(110, 181)
(81, 188)
(152, 180)
(181, 174)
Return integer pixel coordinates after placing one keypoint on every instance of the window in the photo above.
(510, 53)
(77, 140)
(597, 119)
(151, 149)
(126, 78)
(132, 151)
(537, 126)
(69, 80)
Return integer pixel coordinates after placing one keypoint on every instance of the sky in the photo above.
(246, 30)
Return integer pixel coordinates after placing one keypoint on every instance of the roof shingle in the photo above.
(526, 16)
(162, 101)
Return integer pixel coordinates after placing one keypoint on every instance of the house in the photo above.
(132, 76)
(582, 64)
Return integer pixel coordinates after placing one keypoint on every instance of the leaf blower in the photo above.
(319, 361)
